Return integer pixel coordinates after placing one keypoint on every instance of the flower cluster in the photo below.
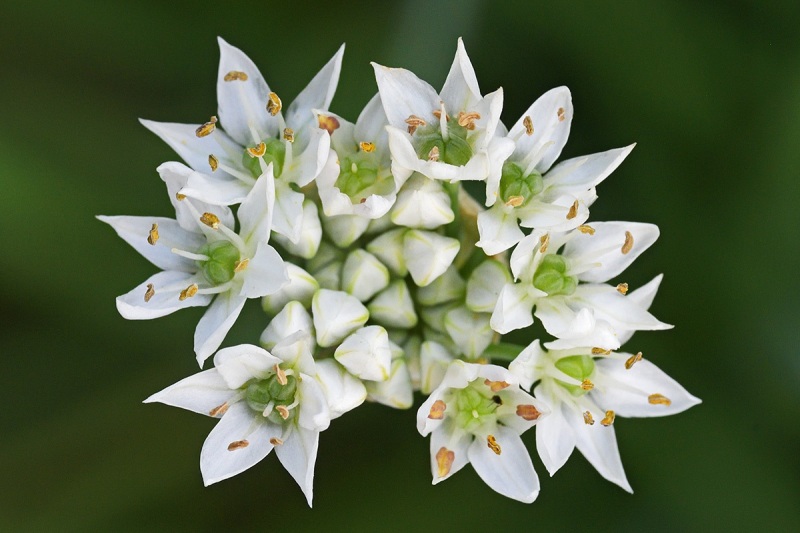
(380, 276)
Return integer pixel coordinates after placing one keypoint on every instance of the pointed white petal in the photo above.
(598, 444)
(619, 311)
(363, 275)
(202, 393)
(396, 391)
(255, 213)
(509, 472)
(460, 91)
(343, 391)
(550, 129)
(422, 203)
(336, 315)
(290, 320)
(403, 94)
(434, 362)
(526, 367)
(343, 230)
(585, 172)
(388, 247)
(643, 297)
(301, 287)
(498, 229)
(287, 218)
(555, 439)
(317, 94)
(428, 255)
(393, 307)
(165, 300)
(216, 190)
(366, 354)
(485, 284)
(176, 176)
(298, 455)
(371, 125)
(216, 323)
(239, 364)
(470, 331)
(264, 274)
(444, 465)
(307, 165)
(609, 251)
(513, 309)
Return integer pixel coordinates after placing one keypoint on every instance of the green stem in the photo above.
(502, 351)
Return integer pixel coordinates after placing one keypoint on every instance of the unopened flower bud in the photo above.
(393, 307)
(428, 255)
(363, 275)
(336, 315)
(422, 203)
(343, 230)
(388, 247)
(366, 354)
(301, 288)
(310, 234)
(447, 287)
(485, 284)
(291, 319)
(470, 331)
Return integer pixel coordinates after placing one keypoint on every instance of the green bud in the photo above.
(580, 367)
(220, 267)
(514, 184)
(551, 276)
(275, 154)
(260, 394)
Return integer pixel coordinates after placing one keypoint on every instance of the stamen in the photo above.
(274, 104)
(659, 399)
(415, 122)
(573, 210)
(444, 460)
(515, 201)
(288, 134)
(241, 265)
(257, 151)
(528, 123)
(283, 411)
(211, 220)
(180, 197)
(238, 445)
(586, 228)
(188, 292)
(609, 418)
(275, 441)
(588, 419)
(367, 146)
(528, 412)
(626, 247)
(213, 162)
(492, 443)
(219, 410)
(467, 120)
(437, 410)
(149, 292)
(544, 240)
(622, 288)
(497, 399)
(587, 384)
(280, 375)
(235, 75)
(433, 155)
(632, 360)
(438, 114)
(152, 237)
(600, 351)
(560, 114)
(206, 128)
(328, 123)
(495, 385)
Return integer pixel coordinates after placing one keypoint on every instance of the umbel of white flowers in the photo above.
(380, 276)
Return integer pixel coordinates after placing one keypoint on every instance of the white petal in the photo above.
(605, 254)
(428, 255)
(343, 391)
(598, 444)
(444, 443)
(485, 284)
(307, 245)
(643, 297)
(396, 391)
(264, 274)
(556, 213)
(167, 286)
(287, 218)
(585, 172)
(216, 190)
(526, 367)
(363, 275)
(574, 329)
(336, 315)
(526, 256)
(555, 439)
(434, 361)
(176, 176)
(301, 287)
(240, 423)
(239, 364)
(422, 203)
(619, 311)
(317, 94)
(298, 455)
(255, 213)
(296, 351)
(371, 125)
(290, 320)
(460, 91)
(313, 409)
(513, 309)
(498, 229)
(511, 471)
(202, 393)
(403, 94)
(549, 132)
(216, 323)
(343, 230)
(366, 354)
(306, 165)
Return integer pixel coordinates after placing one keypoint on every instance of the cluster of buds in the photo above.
(380, 276)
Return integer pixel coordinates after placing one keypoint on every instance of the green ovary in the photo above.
(260, 394)
(580, 367)
(456, 150)
(513, 184)
(220, 267)
(473, 408)
(358, 175)
(275, 154)
(551, 276)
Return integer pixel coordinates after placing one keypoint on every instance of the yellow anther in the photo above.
(573, 210)
(149, 293)
(152, 237)
(210, 219)
(515, 201)
(280, 375)
(213, 162)
(328, 123)
(180, 197)
(544, 241)
(586, 228)
(632, 360)
(491, 442)
(444, 460)
(238, 445)
(467, 120)
(219, 410)
(188, 292)
(274, 104)
(206, 128)
(367, 147)
(495, 385)
(588, 419)
(258, 150)
(528, 412)
(528, 123)
(433, 155)
(560, 114)
(628, 244)
(437, 410)
(622, 288)
(275, 441)
(659, 399)
(414, 122)
(241, 265)
(600, 351)
(288, 134)
(283, 411)
(235, 75)
(587, 384)
(608, 419)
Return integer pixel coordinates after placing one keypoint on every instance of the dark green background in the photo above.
(709, 90)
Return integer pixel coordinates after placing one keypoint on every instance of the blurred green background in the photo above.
(709, 90)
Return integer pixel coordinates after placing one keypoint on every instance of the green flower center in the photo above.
(517, 189)
(474, 407)
(275, 154)
(357, 173)
(580, 367)
(551, 276)
(268, 394)
(456, 150)
(221, 264)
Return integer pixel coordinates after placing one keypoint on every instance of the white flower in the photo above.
(203, 260)
(477, 415)
(586, 394)
(447, 136)
(265, 401)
